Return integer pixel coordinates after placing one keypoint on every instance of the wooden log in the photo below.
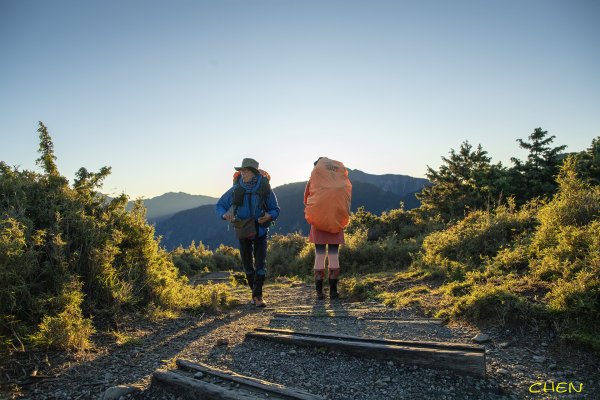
(464, 358)
(365, 317)
(250, 382)
(192, 388)
(411, 343)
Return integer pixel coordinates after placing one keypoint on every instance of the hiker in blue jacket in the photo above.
(251, 206)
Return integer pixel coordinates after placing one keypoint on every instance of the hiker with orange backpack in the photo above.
(327, 200)
(251, 206)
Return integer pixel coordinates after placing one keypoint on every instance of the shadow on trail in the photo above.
(118, 365)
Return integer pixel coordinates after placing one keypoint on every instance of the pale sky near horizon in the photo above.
(173, 94)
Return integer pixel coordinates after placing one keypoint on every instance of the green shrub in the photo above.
(358, 288)
(194, 259)
(480, 235)
(290, 254)
(226, 258)
(67, 329)
(576, 204)
(405, 297)
(486, 301)
(359, 255)
(53, 234)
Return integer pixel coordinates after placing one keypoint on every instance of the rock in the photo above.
(481, 338)
(386, 379)
(116, 392)
(222, 342)
(292, 352)
(199, 375)
(552, 366)
(504, 345)
(390, 363)
(502, 371)
(539, 359)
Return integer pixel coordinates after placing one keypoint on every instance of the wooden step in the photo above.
(359, 316)
(463, 358)
(229, 385)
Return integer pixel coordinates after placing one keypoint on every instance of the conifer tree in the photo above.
(535, 177)
(466, 181)
(588, 163)
(47, 158)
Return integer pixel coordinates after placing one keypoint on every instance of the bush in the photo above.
(52, 234)
(291, 254)
(358, 288)
(359, 255)
(194, 259)
(480, 235)
(226, 258)
(67, 329)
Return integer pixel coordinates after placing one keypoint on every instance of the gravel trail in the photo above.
(516, 359)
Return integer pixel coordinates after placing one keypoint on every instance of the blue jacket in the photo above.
(252, 206)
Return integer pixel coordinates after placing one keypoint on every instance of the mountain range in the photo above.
(165, 206)
(376, 193)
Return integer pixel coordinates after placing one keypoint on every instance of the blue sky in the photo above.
(173, 94)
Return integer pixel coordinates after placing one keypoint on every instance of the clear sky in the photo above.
(173, 94)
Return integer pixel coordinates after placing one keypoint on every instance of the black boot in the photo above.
(250, 280)
(319, 287)
(333, 293)
(257, 291)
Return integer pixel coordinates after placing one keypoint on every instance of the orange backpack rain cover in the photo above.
(327, 201)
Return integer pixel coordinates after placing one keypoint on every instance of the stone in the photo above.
(481, 338)
(116, 392)
(504, 345)
(539, 359)
(199, 375)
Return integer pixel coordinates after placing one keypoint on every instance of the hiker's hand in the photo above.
(228, 217)
(265, 218)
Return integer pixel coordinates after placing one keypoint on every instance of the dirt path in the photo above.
(515, 360)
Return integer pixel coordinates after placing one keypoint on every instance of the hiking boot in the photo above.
(333, 293)
(258, 301)
(319, 288)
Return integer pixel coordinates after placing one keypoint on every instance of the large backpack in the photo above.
(327, 206)
(262, 191)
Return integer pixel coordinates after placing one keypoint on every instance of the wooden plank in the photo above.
(251, 382)
(466, 358)
(192, 388)
(364, 317)
(410, 343)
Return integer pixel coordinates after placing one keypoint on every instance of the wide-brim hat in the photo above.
(249, 163)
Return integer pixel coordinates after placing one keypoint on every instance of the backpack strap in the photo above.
(262, 189)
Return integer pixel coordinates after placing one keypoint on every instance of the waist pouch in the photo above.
(245, 228)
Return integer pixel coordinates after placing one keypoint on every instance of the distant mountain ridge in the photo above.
(202, 223)
(164, 206)
(398, 184)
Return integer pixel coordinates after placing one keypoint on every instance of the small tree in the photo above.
(588, 163)
(47, 158)
(466, 181)
(535, 177)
